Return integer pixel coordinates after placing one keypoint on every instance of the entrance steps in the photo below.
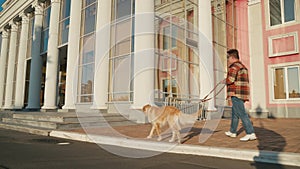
(43, 123)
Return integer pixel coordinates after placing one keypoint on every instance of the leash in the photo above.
(205, 99)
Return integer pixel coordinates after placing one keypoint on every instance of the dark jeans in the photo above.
(239, 112)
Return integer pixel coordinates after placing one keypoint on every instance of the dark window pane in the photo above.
(289, 10)
(275, 12)
(123, 8)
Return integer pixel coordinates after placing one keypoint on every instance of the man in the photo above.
(238, 91)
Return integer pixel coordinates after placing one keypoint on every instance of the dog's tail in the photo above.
(189, 118)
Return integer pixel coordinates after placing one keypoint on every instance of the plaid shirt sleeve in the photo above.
(237, 81)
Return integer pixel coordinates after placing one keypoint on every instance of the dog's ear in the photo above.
(146, 107)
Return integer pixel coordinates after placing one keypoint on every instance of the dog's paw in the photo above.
(159, 139)
(171, 140)
(149, 137)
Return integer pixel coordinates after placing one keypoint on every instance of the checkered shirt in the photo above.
(238, 81)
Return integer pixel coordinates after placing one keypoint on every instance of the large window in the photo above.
(64, 22)
(16, 63)
(87, 55)
(177, 60)
(286, 83)
(122, 47)
(0, 41)
(45, 31)
(5, 70)
(281, 11)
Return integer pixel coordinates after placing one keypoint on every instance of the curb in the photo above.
(283, 158)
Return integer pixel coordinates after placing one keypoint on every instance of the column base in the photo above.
(48, 108)
(68, 107)
(5, 107)
(259, 113)
(18, 107)
(103, 107)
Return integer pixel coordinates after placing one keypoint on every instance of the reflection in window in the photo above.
(281, 11)
(46, 22)
(64, 21)
(121, 63)
(87, 56)
(177, 50)
(286, 82)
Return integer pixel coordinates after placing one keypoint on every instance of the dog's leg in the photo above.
(178, 137)
(157, 128)
(151, 132)
(173, 137)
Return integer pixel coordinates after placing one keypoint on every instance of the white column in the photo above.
(52, 58)
(102, 55)
(258, 81)
(36, 61)
(11, 66)
(144, 57)
(3, 60)
(206, 51)
(73, 53)
(21, 70)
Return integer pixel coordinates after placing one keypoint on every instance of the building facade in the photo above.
(122, 54)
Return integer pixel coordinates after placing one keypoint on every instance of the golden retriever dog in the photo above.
(159, 116)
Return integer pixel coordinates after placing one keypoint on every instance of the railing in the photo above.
(187, 106)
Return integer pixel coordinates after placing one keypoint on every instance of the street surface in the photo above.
(25, 151)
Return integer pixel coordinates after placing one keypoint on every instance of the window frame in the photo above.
(283, 23)
(271, 71)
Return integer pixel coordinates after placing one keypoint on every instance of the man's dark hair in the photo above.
(234, 53)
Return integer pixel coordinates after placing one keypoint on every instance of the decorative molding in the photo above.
(5, 34)
(55, 1)
(252, 2)
(39, 8)
(272, 39)
(25, 18)
(14, 26)
(219, 6)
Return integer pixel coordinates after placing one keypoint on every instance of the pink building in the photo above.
(273, 55)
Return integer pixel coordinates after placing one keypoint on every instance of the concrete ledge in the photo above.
(31, 130)
(283, 158)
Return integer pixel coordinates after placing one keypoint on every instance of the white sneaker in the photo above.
(229, 134)
(249, 137)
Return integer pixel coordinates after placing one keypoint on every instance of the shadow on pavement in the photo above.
(270, 144)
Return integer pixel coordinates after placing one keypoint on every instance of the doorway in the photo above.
(63, 51)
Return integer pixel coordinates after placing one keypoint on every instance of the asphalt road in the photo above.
(25, 151)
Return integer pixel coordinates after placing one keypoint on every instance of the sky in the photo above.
(1, 2)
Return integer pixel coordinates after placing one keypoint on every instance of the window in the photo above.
(46, 23)
(87, 55)
(16, 64)
(176, 55)
(281, 11)
(0, 41)
(286, 82)
(64, 22)
(122, 42)
(30, 36)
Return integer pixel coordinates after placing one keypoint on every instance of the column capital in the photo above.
(4, 34)
(25, 18)
(55, 1)
(14, 26)
(38, 8)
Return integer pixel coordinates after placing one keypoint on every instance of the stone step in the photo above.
(71, 118)
(63, 125)
(26, 129)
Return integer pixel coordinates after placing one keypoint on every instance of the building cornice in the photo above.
(13, 9)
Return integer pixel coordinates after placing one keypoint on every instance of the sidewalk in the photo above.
(278, 140)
